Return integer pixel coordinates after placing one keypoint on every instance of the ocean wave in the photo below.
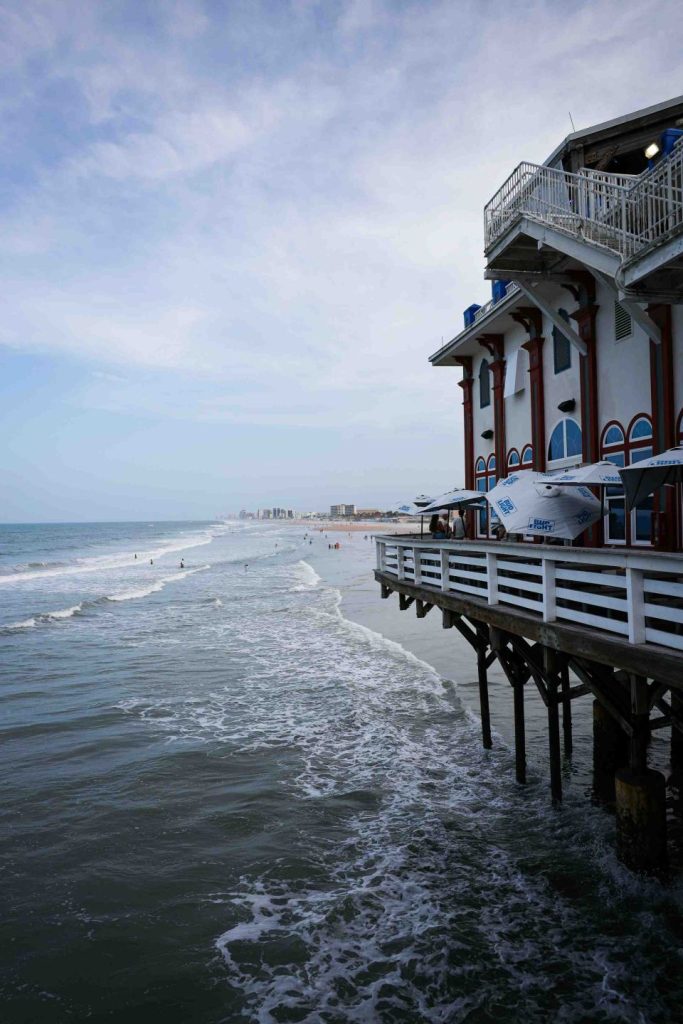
(44, 617)
(100, 563)
(153, 588)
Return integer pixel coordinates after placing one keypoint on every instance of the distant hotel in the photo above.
(340, 511)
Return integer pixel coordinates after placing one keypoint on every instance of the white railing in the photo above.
(636, 595)
(623, 213)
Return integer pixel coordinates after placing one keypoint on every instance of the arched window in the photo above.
(513, 459)
(484, 480)
(484, 385)
(640, 447)
(613, 436)
(624, 448)
(562, 349)
(613, 448)
(527, 456)
(565, 441)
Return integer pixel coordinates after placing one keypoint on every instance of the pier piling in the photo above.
(484, 694)
(610, 752)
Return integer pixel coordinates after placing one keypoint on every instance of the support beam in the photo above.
(567, 708)
(631, 306)
(552, 315)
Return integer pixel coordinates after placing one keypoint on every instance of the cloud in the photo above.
(278, 198)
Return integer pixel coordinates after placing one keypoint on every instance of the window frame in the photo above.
(561, 339)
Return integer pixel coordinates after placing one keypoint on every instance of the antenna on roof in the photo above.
(572, 121)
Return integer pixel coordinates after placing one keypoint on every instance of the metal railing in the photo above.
(624, 213)
(635, 595)
(488, 306)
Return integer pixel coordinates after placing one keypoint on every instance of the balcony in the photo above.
(627, 226)
(623, 607)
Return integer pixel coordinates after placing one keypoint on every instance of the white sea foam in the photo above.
(64, 613)
(26, 624)
(102, 563)
(308, 577)
(45, 617)
(154, 588)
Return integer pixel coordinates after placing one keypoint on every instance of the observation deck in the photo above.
(628, 227)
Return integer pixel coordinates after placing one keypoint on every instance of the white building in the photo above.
(578, 355)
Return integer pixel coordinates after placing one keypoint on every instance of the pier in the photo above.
(573, 622)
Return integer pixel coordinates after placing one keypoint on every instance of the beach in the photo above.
(251, 790)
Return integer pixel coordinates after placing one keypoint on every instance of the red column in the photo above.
(536, 393)
(664, 422)
(590, 422)
(495, 346)
(466, 384)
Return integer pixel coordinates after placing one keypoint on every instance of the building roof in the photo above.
(638, 118)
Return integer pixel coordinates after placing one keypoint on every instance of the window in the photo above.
(624, 449)
(527, 456)
(562, 349)
(485, 480)
(623, 325)
(484, 385)
(639, 448)
(513, 458)
(565, 441)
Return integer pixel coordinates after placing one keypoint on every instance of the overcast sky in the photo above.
(232, 233)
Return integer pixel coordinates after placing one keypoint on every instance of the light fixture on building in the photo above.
(568, 405)
(487, 434)
(652, 150)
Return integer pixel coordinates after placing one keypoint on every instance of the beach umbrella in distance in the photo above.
(528, 503)
(459, 497)
(642, 478)
(422, 500)
(595, 474)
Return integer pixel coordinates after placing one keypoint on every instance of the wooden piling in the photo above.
(484, 696)
(566, 709)
(554, 745)
(520, 737)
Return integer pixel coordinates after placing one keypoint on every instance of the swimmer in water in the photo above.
(182, 563)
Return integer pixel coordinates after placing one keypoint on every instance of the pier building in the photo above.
(577, 356)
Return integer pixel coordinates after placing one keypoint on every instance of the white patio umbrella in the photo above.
(596, 474)
(642, 478)
(409, 508)
(528, 503)
(459, 497)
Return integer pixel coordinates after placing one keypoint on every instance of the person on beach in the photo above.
(151, 561)
(136, 558)
(182, 563)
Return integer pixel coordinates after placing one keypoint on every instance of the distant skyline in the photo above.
(232, 234)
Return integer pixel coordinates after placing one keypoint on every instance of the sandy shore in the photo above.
(369, 527)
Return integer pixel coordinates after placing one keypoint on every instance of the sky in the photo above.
(231, 234)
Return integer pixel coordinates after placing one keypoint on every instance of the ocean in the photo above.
(248, 789)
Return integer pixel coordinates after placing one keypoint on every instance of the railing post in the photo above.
(548, 596)
(445, 570)
(400, 568)
(492, 577)
(634, 604)
(380, 555)
(416, 562)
